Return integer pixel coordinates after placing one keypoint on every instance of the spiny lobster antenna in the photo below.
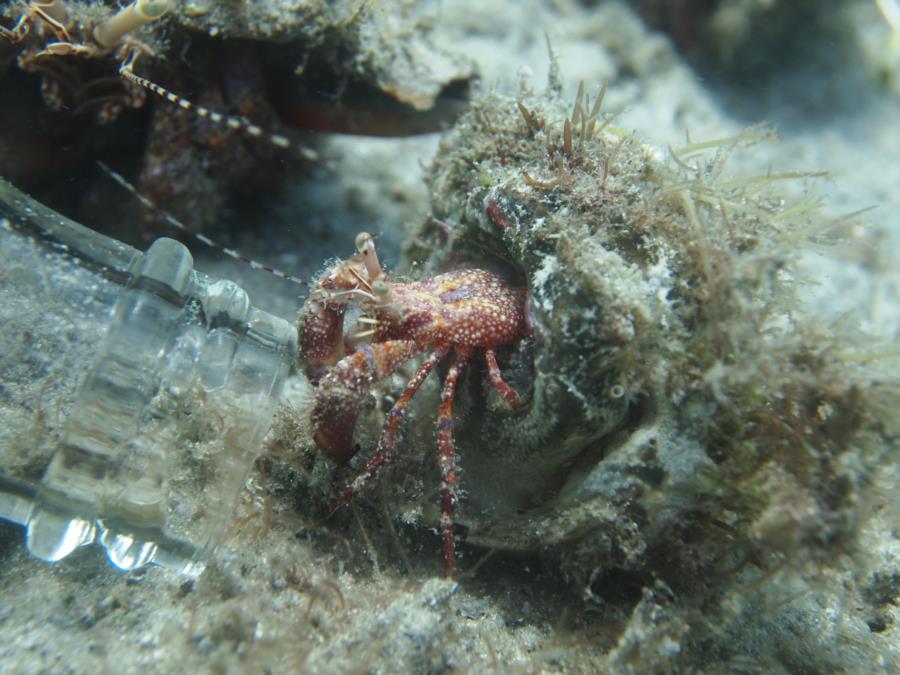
(202, 238)
(240, 125)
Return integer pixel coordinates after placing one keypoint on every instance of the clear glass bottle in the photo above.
(135, 392)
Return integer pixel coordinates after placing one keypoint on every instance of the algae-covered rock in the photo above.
(385, 46)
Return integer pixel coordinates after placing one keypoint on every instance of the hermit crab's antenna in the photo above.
(230, 122)
(202, 238)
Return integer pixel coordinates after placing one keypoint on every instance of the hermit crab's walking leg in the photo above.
(497, 380)
(390, 433)
(447, 459)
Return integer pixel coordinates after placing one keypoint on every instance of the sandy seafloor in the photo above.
(281, 599)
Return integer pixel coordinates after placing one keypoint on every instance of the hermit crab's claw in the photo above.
(320, 332)
(334, 420)
(343, 391)
(321, 323)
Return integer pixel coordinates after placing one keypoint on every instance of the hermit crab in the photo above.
(448, 317)
(57, 46)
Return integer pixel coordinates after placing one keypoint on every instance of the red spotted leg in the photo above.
(497, 380)
(390, 432)
(447, 458)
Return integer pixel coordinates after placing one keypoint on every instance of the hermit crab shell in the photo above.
(602, 232)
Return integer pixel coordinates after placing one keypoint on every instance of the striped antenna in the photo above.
(202, 238)
(220, 119)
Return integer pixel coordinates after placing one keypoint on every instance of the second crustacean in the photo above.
(446, 317)
(56, 45)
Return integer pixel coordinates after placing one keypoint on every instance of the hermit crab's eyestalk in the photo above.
(382, 292)
(110, 32)
(365, 244)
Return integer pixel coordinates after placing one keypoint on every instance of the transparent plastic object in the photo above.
(135, 396)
